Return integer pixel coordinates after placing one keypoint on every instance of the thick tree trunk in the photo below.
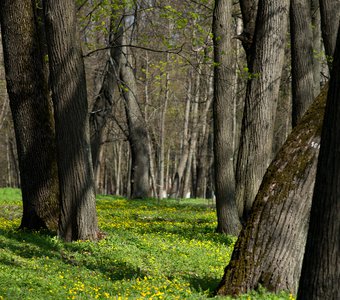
(330, 16)
(320, 276)
(270, 247)
(255, 151)
(227, 217)
(32, 114)
(78, 219)
(302, 57)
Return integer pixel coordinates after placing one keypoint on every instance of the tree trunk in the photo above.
(138, 135)
(317, 47)
(162, 130)
(102, 107)
(249, 13)
(320, 276)
(193, 135)
(179, 170)
(330, 16)
(302, 57)
(202, 151)
(255, 150)
(32, 114)
(227, 217)
(78, 219)
(270, 247)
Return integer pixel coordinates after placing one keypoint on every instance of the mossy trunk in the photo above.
(320, 275)
(270, 247)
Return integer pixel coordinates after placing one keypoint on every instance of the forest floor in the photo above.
(152, 250)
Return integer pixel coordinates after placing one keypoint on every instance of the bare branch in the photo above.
(174, 51)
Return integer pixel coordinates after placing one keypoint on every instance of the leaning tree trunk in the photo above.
(32, 115)
(302, 57)
(78, 219)
(255, 150)
(227, 216)
(270, 247)
(320, 276)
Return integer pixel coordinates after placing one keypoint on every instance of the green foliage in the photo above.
(151, 250)
(246, 74)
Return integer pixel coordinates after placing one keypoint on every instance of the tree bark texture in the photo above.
(302, 57)
(32, 114)
(78, 211)
(270, 247)
(330, 16)
(320, 276)
(227, 215)
(255, 150)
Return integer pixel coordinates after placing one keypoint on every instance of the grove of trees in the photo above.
(194, 98)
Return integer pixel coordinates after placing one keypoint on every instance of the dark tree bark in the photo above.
(249, 13)
(320, 276)
(227, 216)
(270, 247)
(302, 57)
(255, 150)
(330, 16)
(78, 219)
(32, 115)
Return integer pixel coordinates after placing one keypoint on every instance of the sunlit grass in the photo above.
(151, 250)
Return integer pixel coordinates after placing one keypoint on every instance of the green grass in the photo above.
(152, 250)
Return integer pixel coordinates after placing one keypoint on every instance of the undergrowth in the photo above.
(152, 250)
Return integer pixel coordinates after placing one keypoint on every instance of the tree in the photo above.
(320, 271)
(78, 219)
(249, 13)
(330, 16)
(255, 150)
(227, 215)
(302, 57)
(270, 247)
(103, 103)
(138, 136)
(31, 109)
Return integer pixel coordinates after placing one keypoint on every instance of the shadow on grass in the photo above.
(28, 245)
(201, 284)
